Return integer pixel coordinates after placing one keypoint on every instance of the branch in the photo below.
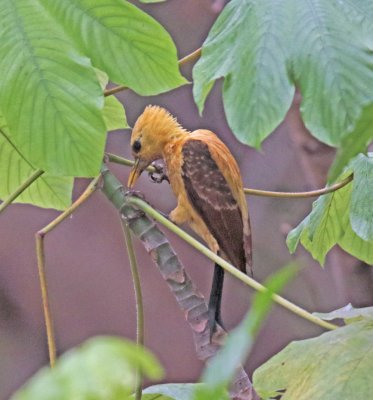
(300, 195)
(187, 296)
(255, 192)
(39, 237)
(190, 57)
(142, 205)
(31, 179)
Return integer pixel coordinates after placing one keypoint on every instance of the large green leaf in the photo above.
(264, 48)
(249, 46)
(129, 45)
(102, 368)
(47, 191)
(343, 217)
(335, 365)
(49, 94)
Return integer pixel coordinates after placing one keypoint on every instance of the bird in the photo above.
(207, 183)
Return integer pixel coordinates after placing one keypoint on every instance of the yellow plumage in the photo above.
(205, 179)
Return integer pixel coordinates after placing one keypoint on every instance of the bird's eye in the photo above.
(136, 147)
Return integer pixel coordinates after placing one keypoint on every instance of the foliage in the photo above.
(47, 191)
(101, 368)
(264, 49)
(56, 60)
(105, 367)
(49, 93)
(343, 217)
(335, 365)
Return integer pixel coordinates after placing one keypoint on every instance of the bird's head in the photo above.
(154, 128)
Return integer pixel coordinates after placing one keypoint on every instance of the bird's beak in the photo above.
(136, 171)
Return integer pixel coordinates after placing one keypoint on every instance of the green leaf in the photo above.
(323, 228)
(335, 365)
(330, 221)
(348, 314)
(264, 48)
(102, 368)
(332, 66)
(129, 45)
(113, 112)
(177, 391)
(354, 143)
(49, 94)
(361, 212)
(47, 191)
(249, 46)
(222, 368)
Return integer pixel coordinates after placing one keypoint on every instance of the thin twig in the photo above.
(300, 195)
(124, 161)
(45, 299)
(39, 236)
(140, 336)
(142, 205)
(256, 192)
(190, 57)
(20, 189)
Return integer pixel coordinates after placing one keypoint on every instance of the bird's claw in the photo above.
(159, 175)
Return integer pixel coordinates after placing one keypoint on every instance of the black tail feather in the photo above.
(216, 293)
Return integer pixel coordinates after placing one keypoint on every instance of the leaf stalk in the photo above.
(140, 335)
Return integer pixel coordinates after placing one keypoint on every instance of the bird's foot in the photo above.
(160, 174)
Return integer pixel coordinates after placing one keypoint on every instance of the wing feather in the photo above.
(212, 198)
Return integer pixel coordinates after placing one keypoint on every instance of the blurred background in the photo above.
(89, 277)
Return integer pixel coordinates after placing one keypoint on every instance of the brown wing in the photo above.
(212, 198)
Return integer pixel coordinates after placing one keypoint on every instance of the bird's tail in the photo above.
(215, 298)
